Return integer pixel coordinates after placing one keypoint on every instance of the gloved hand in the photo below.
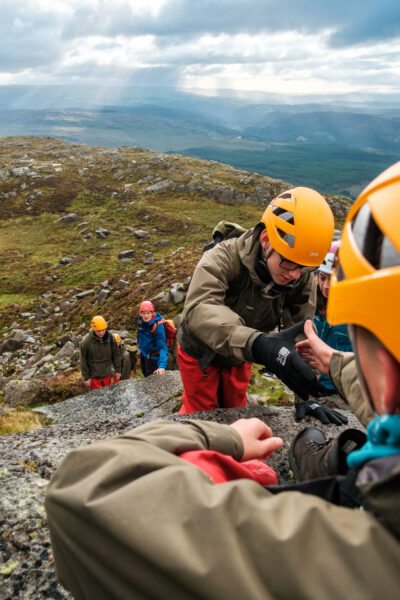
(278, 354)
(325, 414)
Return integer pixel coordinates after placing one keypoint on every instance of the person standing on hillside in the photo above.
(125, 357)
(241, 290)
(336, 336)
(152, 341)
(98, 353)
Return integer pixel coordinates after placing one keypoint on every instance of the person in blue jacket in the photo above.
(335, 336)
(152, 341)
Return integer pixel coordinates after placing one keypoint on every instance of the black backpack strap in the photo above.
(337, 489)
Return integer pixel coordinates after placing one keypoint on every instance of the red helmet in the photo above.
(146, 306)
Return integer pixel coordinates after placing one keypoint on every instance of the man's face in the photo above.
(146, 315)
(100, 333)
(324, 282)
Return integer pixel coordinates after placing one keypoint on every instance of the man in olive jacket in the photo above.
(241, 290)
(130, 519)
(99, 352)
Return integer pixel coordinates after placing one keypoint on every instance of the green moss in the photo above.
(8, 567)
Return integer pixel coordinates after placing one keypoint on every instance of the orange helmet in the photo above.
(300, 226)
(365, 287)
(98, 323)
(146, 306)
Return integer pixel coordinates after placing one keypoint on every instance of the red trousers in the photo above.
(216, 387)
(99, 383)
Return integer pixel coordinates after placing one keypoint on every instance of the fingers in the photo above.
(256, 437)
(321, 415)
(309, 330)
(267, 447)
(301, 409)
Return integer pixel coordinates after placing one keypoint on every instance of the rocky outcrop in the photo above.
(22, 392)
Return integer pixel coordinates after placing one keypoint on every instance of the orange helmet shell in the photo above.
(361, 293)
(300, 226)
(98, 323)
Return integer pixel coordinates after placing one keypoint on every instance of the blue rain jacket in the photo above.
(151, 345)
(335, 336)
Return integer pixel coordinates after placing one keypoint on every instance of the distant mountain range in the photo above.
(336, 148)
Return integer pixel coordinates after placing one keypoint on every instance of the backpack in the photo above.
(170, 330)
(224, 230)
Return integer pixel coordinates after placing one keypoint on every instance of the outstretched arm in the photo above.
(129, 519)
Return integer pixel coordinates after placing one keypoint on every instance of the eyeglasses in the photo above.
(292, 266)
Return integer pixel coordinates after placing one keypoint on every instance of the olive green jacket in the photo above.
(227, 305)
(125, 363)
(98, 355)
(131, 520)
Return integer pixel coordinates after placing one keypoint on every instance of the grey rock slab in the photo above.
(122, 283)
(126, 254)
(103, 295)
(19, 392)
(69, 218)
(24, 336)
(130, 397)
(66, 351)
(140, 234)
(85, 294)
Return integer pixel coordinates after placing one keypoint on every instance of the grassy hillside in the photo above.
(42, 179)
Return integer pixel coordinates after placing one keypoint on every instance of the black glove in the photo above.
(278, 354)
(325, 414)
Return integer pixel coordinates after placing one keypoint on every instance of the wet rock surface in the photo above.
(28, 460)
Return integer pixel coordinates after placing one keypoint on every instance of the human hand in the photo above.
(314, 350)
(278, 354)
(257, 439)
(87, 382)
(159, 371)
(117, 376)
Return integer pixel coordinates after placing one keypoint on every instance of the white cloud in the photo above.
(281, 46)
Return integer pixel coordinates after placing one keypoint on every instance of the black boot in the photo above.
(312, 456)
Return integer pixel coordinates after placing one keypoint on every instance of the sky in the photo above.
(291, 47)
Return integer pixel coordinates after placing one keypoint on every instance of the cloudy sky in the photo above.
(277, 46)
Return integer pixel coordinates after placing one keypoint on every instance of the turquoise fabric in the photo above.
(383, 439)
(336, 336)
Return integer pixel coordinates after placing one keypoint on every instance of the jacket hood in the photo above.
(98, 339)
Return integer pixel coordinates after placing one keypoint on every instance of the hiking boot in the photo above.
(312, 456)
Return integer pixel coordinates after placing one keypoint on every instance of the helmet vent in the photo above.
(287, 237)
(375, 247)
(283, 214)
(287, 216)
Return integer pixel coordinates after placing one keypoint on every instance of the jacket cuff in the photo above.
(221, 438)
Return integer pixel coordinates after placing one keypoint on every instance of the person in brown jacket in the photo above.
(241, 290)
(125, 358)
(130, 519)
(98, 353)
